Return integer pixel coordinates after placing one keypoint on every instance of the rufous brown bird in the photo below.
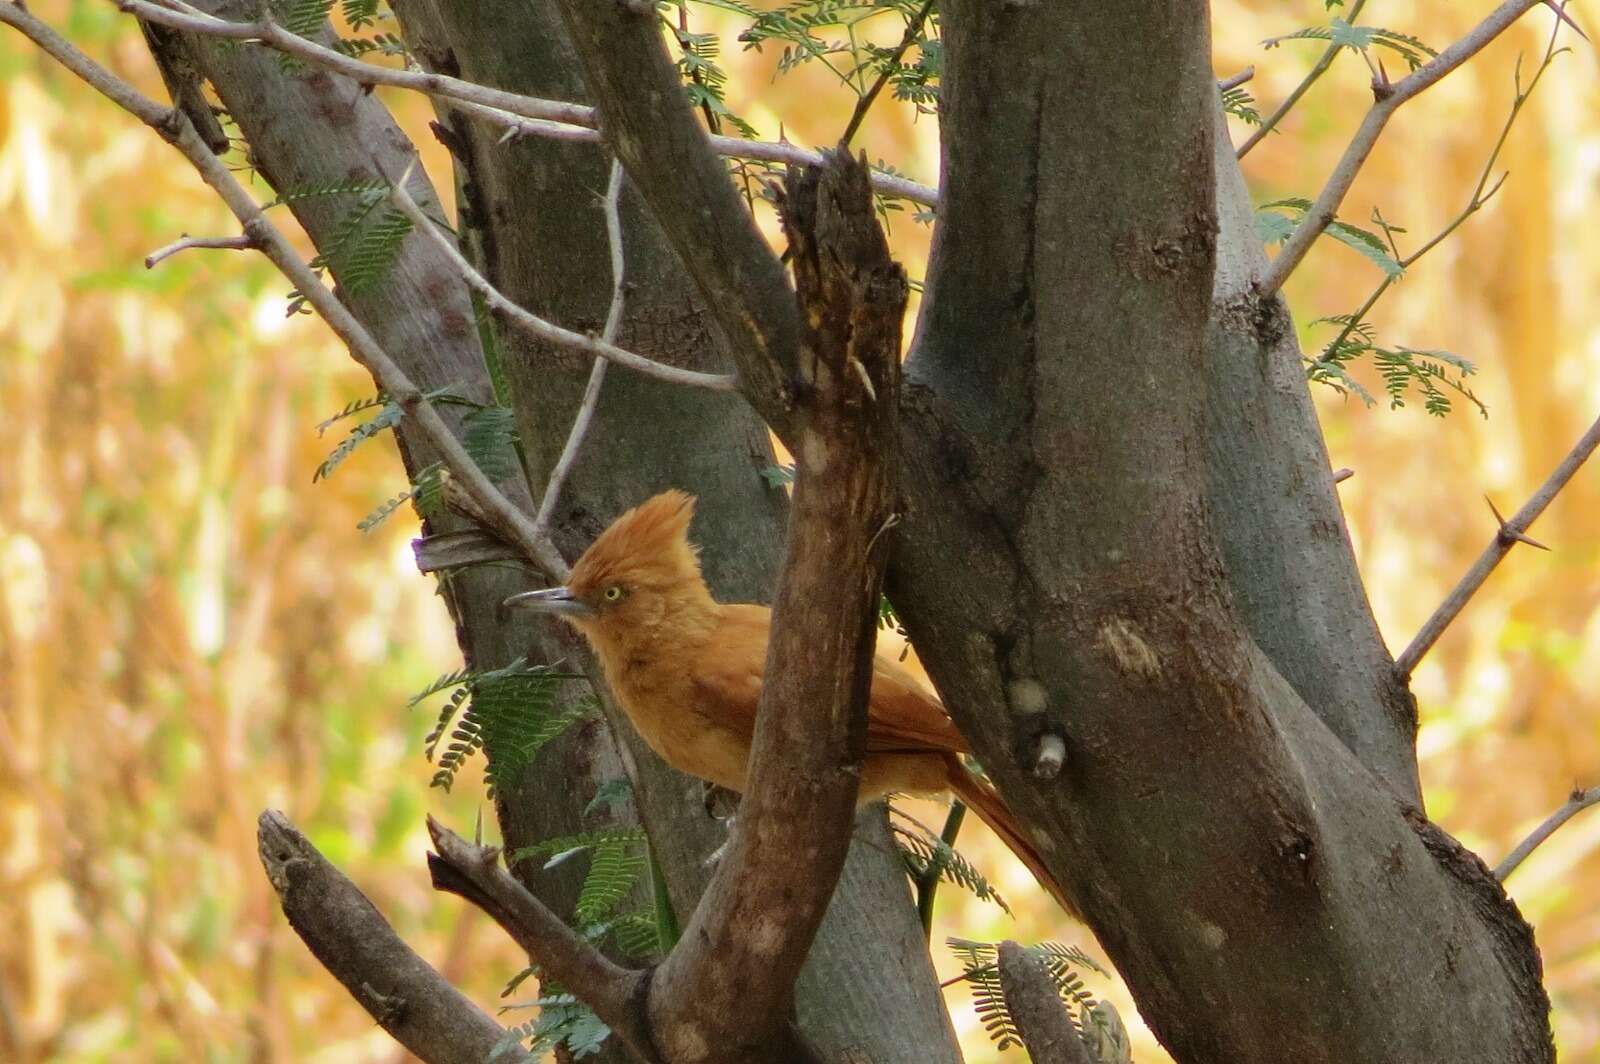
(688, 670)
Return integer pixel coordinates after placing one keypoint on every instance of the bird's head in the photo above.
(639, 574)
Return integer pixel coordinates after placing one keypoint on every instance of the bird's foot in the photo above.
(716, 854)
(720, 803)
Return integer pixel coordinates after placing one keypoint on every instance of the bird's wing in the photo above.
(727, 674)
(905, 718)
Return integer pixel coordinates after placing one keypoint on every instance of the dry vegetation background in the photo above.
(191, 630)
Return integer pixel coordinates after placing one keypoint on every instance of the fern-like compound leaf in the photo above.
(387, 418)
(613, 870)
(921, 850)
(563, 845)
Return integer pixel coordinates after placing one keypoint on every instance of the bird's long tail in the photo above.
(982, 799)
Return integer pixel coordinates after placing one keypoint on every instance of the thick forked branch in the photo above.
(475, 873)
(1049, 449)
(1389, 98)
(503, 516)
(1509, 534)
(521, 115)
(1576, 802)
(411, 1000)
(669, 159)
(730, 982)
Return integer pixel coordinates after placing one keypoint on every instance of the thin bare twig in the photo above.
(864, 104)
(504, 517)
(1576, 802)
(1482, 193)
(1390, 96)
(184, 243)
(550, 332)
(597, 373)
(1238, 79)
(1316, 72)
(1506, 536)
(521, 115)
(270, 33)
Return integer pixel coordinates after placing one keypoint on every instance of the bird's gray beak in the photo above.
(556, 600)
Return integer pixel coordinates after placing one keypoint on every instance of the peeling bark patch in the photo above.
(1129, 652)
(814, 453)
(766, 937)
(1028, 697)
(685, 1042)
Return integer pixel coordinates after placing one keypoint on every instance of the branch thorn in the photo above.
(1509, 535)
(1561, 13)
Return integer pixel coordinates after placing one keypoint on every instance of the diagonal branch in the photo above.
(411, 1000)
(1482, 193)
(520, 115)
(1389, 99)
(475, 873)
(502, 515)
(1576, 802)
(1311, 78)
(670, 160)
(864, 104)
(272, 34)
(531, 323)
(1509, 534)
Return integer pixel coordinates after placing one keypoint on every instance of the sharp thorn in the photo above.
(1523, 537)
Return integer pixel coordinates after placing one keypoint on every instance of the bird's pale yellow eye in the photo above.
(613, 593)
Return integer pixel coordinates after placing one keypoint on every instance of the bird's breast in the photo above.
(660, 701)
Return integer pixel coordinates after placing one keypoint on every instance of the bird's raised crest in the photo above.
(647, 546)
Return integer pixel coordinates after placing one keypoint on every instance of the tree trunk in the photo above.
(1257, 871)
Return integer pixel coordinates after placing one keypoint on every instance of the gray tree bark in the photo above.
(533, 211)
(1121, 528)
(1079, 426)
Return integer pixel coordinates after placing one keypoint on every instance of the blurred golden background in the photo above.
(191, 630)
